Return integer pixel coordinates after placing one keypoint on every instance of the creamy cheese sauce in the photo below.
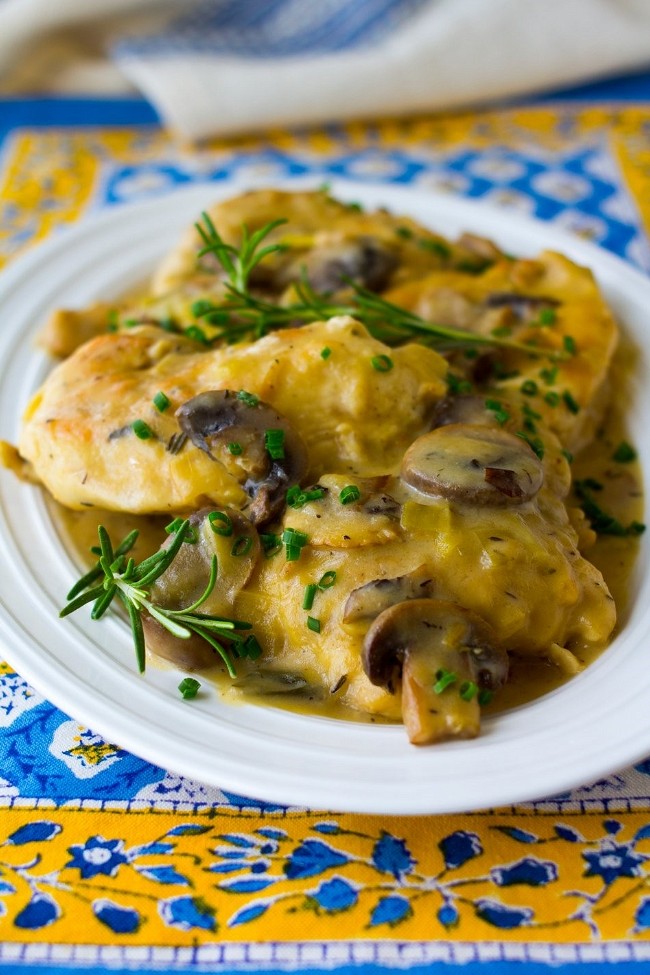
(530, 677)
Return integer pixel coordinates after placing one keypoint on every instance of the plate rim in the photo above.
(307, 792)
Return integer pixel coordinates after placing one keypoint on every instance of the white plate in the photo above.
(597, 723)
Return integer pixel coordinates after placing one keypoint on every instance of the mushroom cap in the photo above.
(368, 601)
(473, 464)
(428, 623)
(219, 416)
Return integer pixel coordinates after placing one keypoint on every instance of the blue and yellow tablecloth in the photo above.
(109, 862)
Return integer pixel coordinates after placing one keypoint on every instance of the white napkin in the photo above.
(220, 67)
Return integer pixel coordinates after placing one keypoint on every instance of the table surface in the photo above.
(110, 862)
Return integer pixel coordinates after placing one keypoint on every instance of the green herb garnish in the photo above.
(501, 414)
(241, 546)
(250, 399)
(161, 402)
(246, 315)
(624, 453)
(220, 523)
(142, 430)
(349, 494)
(189, 688)
(601, 521)
(444, 679)
(274, 443)
(131, 583)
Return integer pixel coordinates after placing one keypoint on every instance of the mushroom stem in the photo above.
(431, 716)
(441, 653)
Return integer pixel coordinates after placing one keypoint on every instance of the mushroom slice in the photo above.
(368, 601)
(365, 261)
(524, 306)
(218, 417)
(473, 464)
(221, 532)
(437, 650)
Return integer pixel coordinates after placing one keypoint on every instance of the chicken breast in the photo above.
(78, 431)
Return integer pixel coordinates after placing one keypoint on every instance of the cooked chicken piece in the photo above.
(79, 435)
(328, 240)
(550, 302)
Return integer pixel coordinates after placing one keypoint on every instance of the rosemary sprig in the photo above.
(237, 262)
(131, 583)
(245, 315)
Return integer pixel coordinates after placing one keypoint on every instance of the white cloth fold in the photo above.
(222, 67)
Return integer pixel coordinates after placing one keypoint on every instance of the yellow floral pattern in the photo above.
(101, 848)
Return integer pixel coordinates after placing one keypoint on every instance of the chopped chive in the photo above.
(242, 545)
(502, 331)
(404, 232)
(444, 679)
(602, 522)
(468, 690)
(174, 525)
(349, 494)
(435, 246)
(271, 543)
(624, 453)
(297, 498)
(570, 402)
(529, 388)
(235, 449)
(189, 688)
(310, 593)
(529, 412)
(251, 647)
(327, 580)
(568, 456)
(355, 206)
(220, 523)
(591, 483)
(250, 399)
(196, 333)
(142, 430)
(569, 344)
(471, 353)
(313, 624)
(458, 385)
(161, 402)
(549, 375)
(382, 363)
(291, 536)
(326, 352)
(501, 415)
(547, 316)
(294, 541)
(274, 443)
(552, 398)
(485, 696)
(534, 443)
